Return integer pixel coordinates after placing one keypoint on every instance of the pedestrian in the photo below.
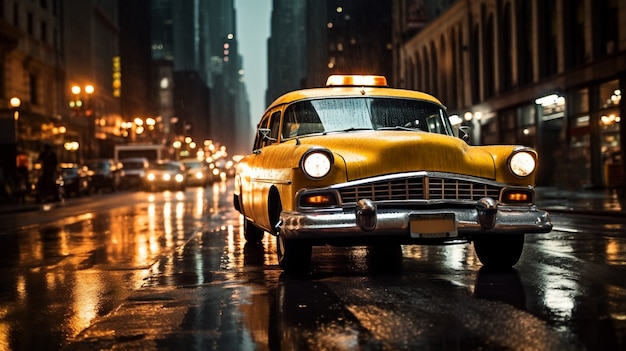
(21, 183)
(47, 184)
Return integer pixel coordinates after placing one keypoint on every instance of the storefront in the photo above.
(577, 135)
(594, 136)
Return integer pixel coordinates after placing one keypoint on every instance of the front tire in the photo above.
(499, 251)
(252, 233)
(294, 256)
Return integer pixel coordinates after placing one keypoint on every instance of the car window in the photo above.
(301, 119)
(258, 140)
(193, 164)
(327, 115)
(133, 165)
(274, 125)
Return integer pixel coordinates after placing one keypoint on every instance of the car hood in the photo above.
(372, 153)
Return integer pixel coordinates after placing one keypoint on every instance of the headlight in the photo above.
(317, 163)
(179, 178)
(167, 177)
(150, 177)
(522, 163)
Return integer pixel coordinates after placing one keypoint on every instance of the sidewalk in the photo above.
(29, 205)
(599, 202)
(605, 202)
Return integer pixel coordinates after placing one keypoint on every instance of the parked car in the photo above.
(75, 179)
(134, 170)
(197, 172)
(165, 175)
(359, 163)
(105, 174)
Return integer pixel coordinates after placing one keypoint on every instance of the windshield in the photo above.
(345, 114)
(165, 167)
(133, 164)
(193, 164)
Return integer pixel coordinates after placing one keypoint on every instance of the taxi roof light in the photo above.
(356, 80)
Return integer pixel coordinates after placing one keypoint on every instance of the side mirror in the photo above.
(464, 133)
(265, 134)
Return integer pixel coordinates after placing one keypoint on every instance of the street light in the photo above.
(15, 103)
(78, 105)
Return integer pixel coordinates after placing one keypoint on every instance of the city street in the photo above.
(172, 271)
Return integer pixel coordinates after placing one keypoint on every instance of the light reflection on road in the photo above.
(58, 277)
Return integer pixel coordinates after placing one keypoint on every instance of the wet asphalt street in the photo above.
(171, 271)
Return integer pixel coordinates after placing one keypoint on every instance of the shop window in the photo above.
(579, 102)
(609, 118)
(609, 95)
(581, 121)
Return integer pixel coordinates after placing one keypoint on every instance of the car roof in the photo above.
(351, 91)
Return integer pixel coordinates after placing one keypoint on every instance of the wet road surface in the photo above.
(171, 271)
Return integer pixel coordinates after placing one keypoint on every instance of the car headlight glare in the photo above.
(317, 164)
(179, 178)
(522, 163)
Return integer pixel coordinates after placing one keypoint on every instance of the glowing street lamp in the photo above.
(78, 105)
(15, 103)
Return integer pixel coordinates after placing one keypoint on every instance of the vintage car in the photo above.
(360, 163)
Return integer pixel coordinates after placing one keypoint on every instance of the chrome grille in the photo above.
(419, 188)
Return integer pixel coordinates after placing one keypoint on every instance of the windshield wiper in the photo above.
(351, 129)
(399, 128)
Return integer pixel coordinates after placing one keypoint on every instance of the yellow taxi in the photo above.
(360, 163)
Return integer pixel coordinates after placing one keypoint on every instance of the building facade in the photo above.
(31, 92)
(286, 48)
(347, 37)
(543, 73)
(311, 40)
(194, 46)
(93, 68)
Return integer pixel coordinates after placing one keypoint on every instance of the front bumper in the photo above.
(366, 220)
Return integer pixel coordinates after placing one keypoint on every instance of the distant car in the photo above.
(216, 174)
(360, 163)
(134, 172)
(197, 172)
(105, 174)
(75, 179)
(165, 175)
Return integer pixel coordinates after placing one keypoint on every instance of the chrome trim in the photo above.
(340, 223)
(271, 181)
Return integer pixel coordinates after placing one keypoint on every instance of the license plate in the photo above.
(440, 225)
